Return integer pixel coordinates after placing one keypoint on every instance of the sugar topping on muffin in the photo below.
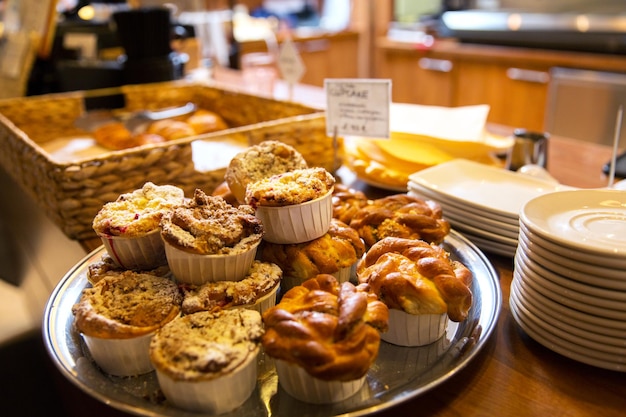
(293, 187)
(209, 225)
(138, 212)
(262, 278)
(126, 305)
(206, 345)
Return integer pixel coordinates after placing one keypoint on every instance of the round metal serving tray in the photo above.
(399, 373)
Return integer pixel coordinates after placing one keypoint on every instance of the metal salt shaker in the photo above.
(528, 148)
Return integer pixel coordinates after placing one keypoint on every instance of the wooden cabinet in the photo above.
(513, 81)
(324, 56)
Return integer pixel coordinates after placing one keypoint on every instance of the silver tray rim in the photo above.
(464, 341)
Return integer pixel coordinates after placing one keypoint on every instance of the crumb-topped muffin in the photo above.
(263, 279)
(207, 239)
(293, 187)
(138, 212)
(206, 361)
(208, 225)
(118, 316)
(106, 266)
(260, 161)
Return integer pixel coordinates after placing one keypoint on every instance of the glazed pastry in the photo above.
(328, 329)
(171, 129)
(206, 121)
(340, 248)
(400, 215)
(114, 136)
(346, 202)
(417, 277)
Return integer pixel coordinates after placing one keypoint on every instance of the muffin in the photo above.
(324, 337)
(402, 216)
(256, 291)
(261, 161)
(207, 361)
(333, 253)
(118, 316)
(129, 226)
(421, 286)
(207, 239)
(106, 266)
(295, 206)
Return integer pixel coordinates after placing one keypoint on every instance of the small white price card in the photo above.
(358, 107)
(290, 63)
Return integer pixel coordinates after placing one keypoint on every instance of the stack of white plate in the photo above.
(569, 281)
(480, 201)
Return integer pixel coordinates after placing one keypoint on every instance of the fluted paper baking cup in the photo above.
(121, 357)
(414, 329)
(263, 303)
(304, 387)
(297, 223)
(143, 252)
(195, 269)
(213, 396)
(343, 275)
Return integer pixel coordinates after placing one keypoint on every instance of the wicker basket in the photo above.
(72, 193)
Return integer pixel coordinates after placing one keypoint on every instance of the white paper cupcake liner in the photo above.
(414, 330)
(121, 357)
(144, 252)
(343, 275)
(213, 396)
(264, 302)
(191, 268)
(304, 387)
(297, 223)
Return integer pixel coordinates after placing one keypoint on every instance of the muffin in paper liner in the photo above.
(214, 396)
(414, 329)
(207, 361)
(121, 357)
(304, 387)
(264, 302)
(196, 269)
(139, 253)
(297, 223)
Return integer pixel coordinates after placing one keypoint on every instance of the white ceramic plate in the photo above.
(491, 247)
(594, 324)
(565, 297)
(592, 220)
(525, 268)
(399, 373)
(565, 282)
(493, 190)
(573, 329)
(574, 264)
(481, 227)
(572, 253)
(595, 280)
(565, 348)
(512, 222)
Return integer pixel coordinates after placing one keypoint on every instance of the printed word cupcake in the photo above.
(118, 316)
(420, 284)
(324, 337)
(295, 206)
(129, 226)
(207, 239)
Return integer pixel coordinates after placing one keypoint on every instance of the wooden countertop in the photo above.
(450, 49)
(513, 375)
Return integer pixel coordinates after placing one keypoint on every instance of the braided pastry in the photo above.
(346, 202)
(328, 329)
(339, 248)
(417, 277)
(401, 215)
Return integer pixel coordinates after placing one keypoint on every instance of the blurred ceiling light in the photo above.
(514, 21)
(87, 12)
(582, 23)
